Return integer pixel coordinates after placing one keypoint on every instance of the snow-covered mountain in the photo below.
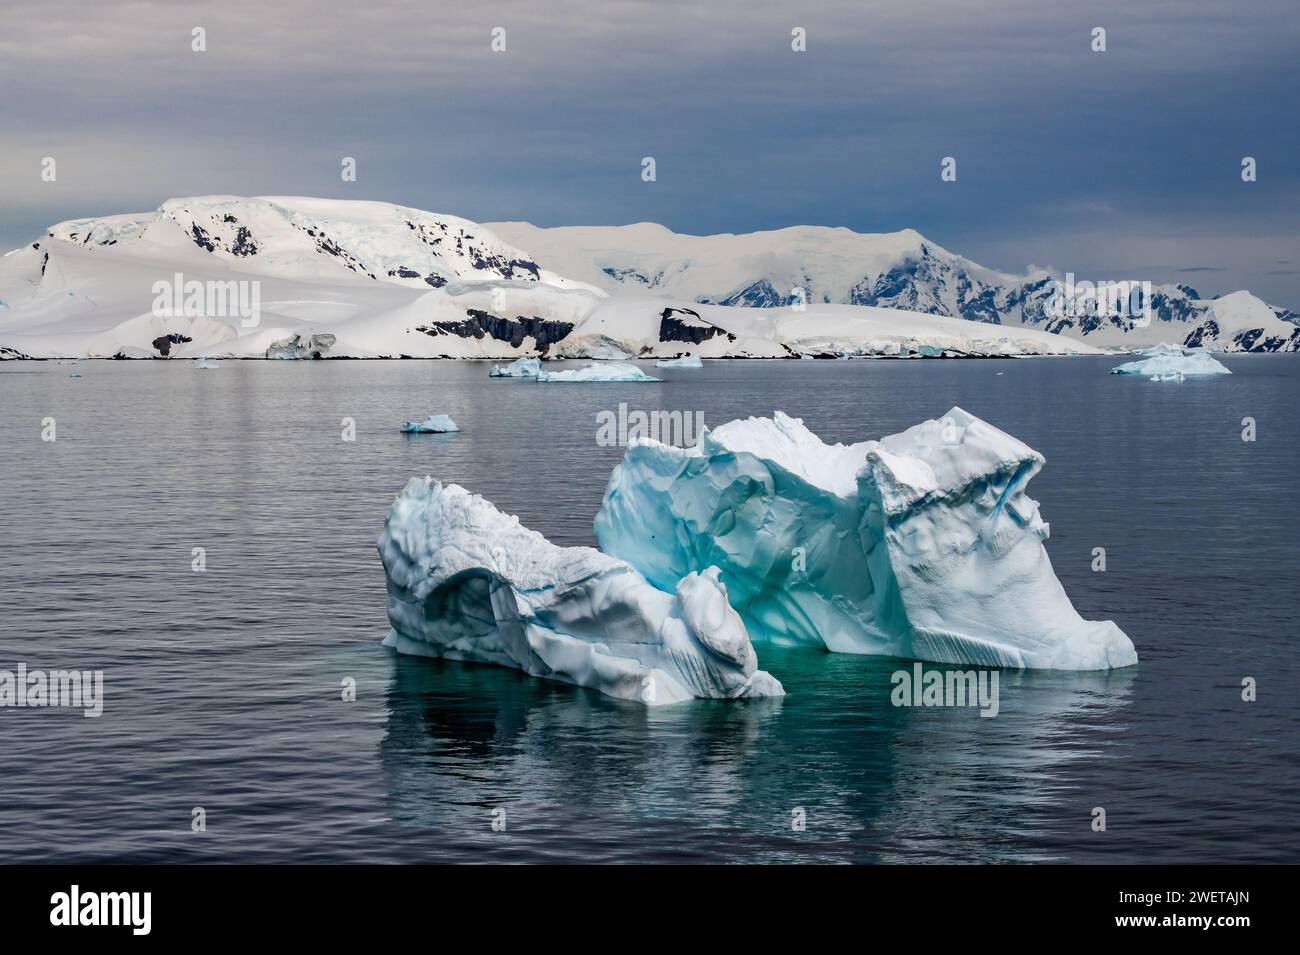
(283, 277)
(893, 270)
(290, 277)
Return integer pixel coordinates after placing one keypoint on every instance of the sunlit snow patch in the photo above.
(920, 545)
(467, 582)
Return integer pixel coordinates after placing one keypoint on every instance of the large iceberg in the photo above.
(599, 371)
(467, 582)
(920, 545)
(1163, 362)
(519, 368)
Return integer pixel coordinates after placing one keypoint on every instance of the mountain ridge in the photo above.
(276, 276)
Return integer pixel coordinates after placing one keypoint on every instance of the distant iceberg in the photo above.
(204, 363)
(519, 368)
(434, 424)
(1164, 360)
(921, 545)
(686, 361)
(467, 582)
(598, 371)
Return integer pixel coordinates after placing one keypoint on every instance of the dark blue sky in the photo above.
(1112, 165)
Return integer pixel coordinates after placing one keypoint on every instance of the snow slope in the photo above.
(303, 278)
(895, 270)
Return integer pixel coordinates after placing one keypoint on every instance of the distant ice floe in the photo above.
(921, 545)
(467, 582)
(434, 424)
(1171, 363)
(519, 368)
(204, 363)
(686, 361)
(598, 371)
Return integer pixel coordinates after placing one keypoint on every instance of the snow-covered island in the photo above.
(301, 278)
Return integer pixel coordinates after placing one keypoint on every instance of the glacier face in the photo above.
(920, 545)
(1164, 362)
(467, 582)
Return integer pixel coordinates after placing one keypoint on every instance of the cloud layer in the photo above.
(1110, 164)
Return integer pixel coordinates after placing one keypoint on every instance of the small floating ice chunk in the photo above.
(519, 368)
(434, 424)
(598, 371)
(686, 361)
(204, 363)
(467, 582)
(1169, 360)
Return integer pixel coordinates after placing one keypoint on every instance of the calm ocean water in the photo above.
(222, 688)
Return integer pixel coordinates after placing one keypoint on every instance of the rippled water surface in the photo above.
(222, 688)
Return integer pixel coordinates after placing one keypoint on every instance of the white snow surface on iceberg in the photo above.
(467, 582)
(920, 545)
(598, 371)
(519, 368)
(434, 424)
(1169, 360)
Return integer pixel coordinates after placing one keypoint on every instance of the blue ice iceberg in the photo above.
(1162, 362)
(519, 368)
(920, 545)
(686, 361)
(434, 424)
(467, 582)
(599, 371)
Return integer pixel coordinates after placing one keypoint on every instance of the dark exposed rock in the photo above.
(512, 330)
(1207, 329)
(695, 329)
(201, 238)
(163, 343)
